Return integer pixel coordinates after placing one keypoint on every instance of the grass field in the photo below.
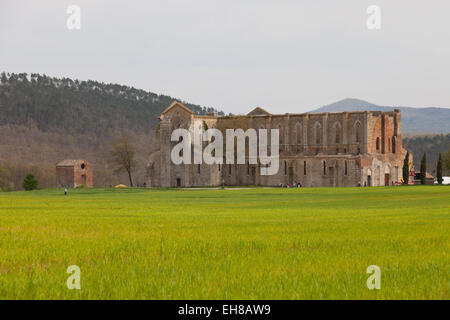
(226, 244)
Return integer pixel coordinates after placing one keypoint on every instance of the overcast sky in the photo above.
(286, 56)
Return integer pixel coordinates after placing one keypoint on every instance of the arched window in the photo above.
(337, 133)
(393, 144)
(285, 168)
(198, 168)
(324, 163)
(286, 136)
(298, 133)
(180, 139)
(248, 169)
(358, 132)
(280, 133)
(304, 168)
(261, 127)
(229, 169)
(200, 134)
(378, 143)
(345, 167)
(318, 133)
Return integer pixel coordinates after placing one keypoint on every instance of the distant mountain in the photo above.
(414, 120)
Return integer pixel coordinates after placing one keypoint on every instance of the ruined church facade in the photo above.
(344, 149)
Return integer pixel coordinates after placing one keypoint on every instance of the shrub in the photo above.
(30, 182)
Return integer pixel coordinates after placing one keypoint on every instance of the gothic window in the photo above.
(345, 167)
(298, 133)
(393, 144)
(180, 139)
(198, 169)
(358, 132)
(324, 163)
(378, 144)
(280, 134)
(304, 168)
(200, 134)
(285, 168)
(337, 133)
(318, 133)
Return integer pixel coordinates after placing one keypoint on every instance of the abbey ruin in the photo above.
(316, 149)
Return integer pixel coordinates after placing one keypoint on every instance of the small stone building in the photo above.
(74, 173)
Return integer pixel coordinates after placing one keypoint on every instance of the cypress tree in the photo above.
(406, 169)
(439, 169)
(423, 169)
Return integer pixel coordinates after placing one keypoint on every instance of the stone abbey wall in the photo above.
(316, 149)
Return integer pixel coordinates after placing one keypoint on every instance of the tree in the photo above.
(3, 78)
(423, 169)
(30, 183)
(123, 156)
(205, 126)
(439, 169)
(432, 144)
(406, 169)
(446, 160)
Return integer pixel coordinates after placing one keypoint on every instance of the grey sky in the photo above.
(286, 56)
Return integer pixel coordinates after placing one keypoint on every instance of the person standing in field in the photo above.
(65, 191)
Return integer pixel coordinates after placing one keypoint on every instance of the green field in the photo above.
(226, 244)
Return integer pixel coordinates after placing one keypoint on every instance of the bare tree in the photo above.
(123, 156)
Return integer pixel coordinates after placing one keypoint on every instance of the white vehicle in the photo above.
(445, 180)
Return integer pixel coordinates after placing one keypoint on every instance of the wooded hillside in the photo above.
(80, 107)
(431, 144)
(44, 120)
